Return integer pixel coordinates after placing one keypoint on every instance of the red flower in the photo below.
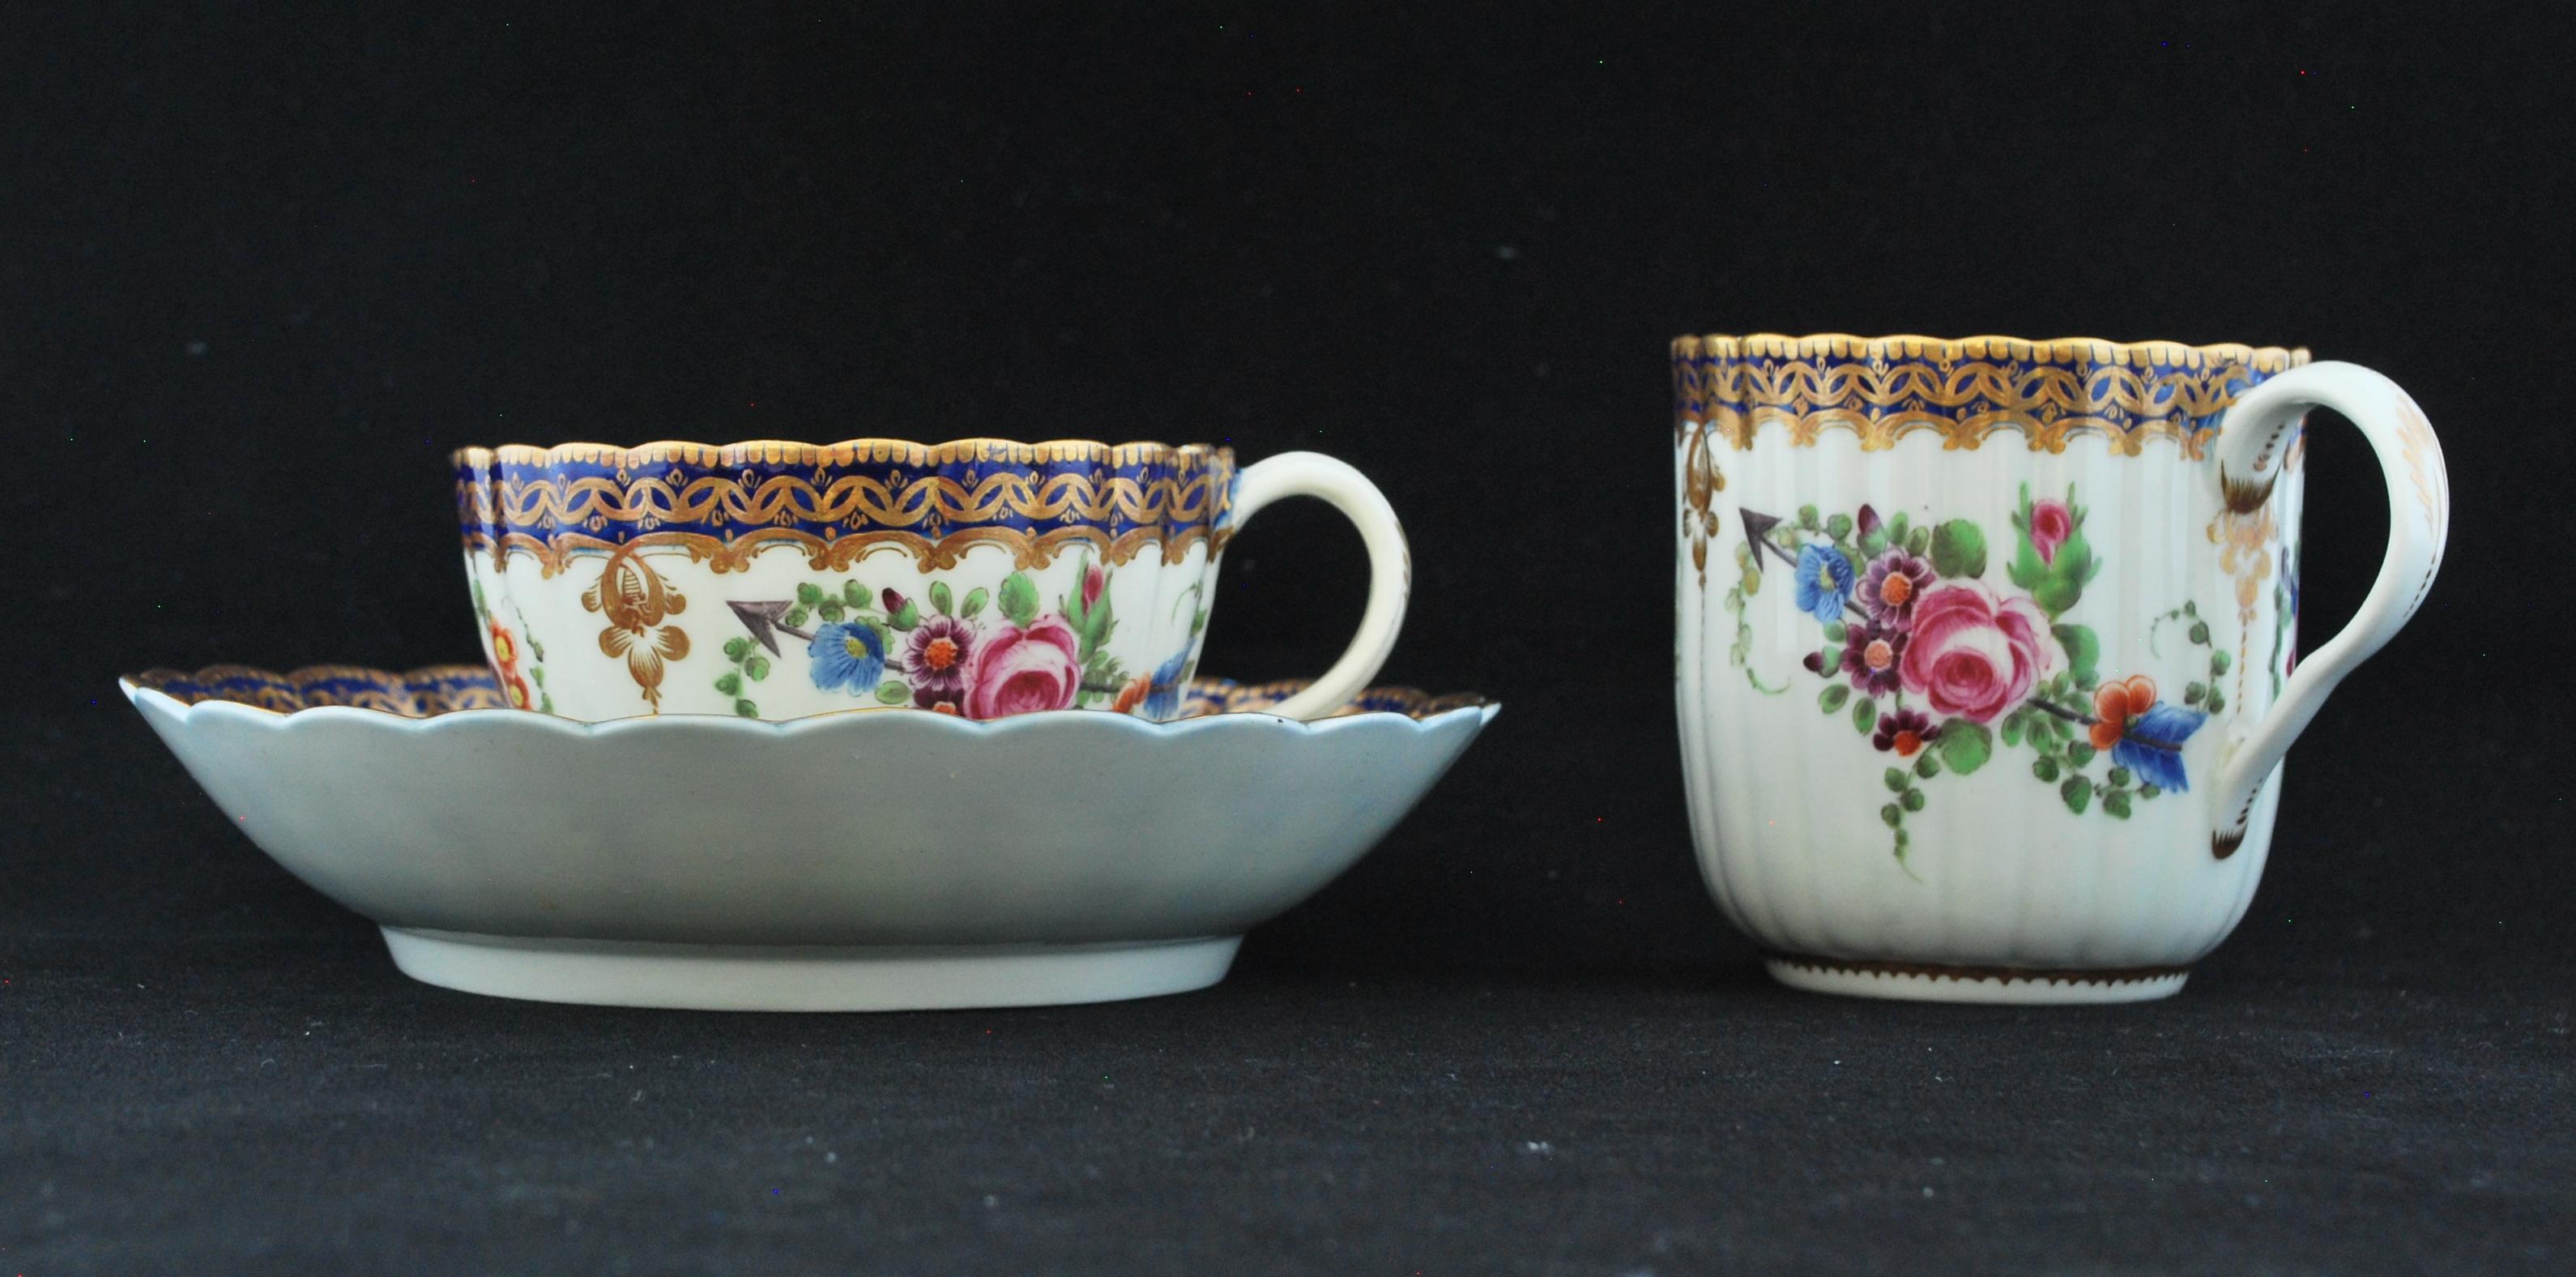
(1023, 671)
(516, 688)
(1094, 580)
(2050, 524)
(2115, 704)
(505, 648)
(1973, 655)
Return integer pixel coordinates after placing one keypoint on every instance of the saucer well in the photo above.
(858, 861)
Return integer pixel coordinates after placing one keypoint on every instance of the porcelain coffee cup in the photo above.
(1988, 648)
(982, 577)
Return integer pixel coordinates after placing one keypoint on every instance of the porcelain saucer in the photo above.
(845, 862)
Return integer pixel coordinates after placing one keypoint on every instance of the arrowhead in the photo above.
(1757, 527)
(762, 619)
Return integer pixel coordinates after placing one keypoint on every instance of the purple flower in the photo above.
(935, 657)
(1894, 580)
(1871, 653)
(1906, 731)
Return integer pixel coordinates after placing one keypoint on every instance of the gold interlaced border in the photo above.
(1884, 388)
(850, 452)
(835, 519)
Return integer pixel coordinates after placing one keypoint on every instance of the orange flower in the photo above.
(505, 648)
(517, 688)
(1132, 695)
(2116, 703)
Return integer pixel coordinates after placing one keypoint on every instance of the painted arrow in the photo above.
(767, 621)
(1757, 529)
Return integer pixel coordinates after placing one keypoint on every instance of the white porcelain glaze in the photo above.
(874, 860)
(1861, 867)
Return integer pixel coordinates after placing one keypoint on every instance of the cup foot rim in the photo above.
(1944, 982)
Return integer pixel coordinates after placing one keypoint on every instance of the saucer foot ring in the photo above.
(1932, 982)
(712, 977)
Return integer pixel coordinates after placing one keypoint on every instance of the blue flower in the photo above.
(2157, 759)
(1824, 582)
(1165, 699)
(847, 655)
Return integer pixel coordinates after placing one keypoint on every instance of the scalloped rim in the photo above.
(846, 452)
(1423, 708)
(2058, 349)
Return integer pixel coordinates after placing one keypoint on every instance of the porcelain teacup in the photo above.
(982, 577)
(1988, 648)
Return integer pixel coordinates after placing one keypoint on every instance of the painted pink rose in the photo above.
(2050, 524)
(1094, 580)
(1015, 671)
(1973, 655)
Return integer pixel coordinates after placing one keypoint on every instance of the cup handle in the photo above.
(2251, 441)
(1312, 474)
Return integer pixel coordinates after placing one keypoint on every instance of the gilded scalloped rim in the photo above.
(1240, 699)
(2266, 359)
(846, 452)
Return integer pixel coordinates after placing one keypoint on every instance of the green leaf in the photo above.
(855, 594)
(2078, 793)
(1892, 815)
(975, 600)
(1838, 527)
(757, 668)
(2194, 693)
(893, 692)
(1874, 543)
(1831, 659)
(537, 674)
(1752, 583)
(2200, 633)
(1833, 698)
(1865, 715)
(1965, 746)
(2216, 701)
(808, 593)
(1959, 549)
(1897, 527)
(1834, 631)
(2083, 651)
(1911, 800)
(2119, 777)
(2149, 790)
(2044, 767)
(1918, 541)
(2218, 663)
(830, 609)
(2079, 753)
(746, 709)
(729, 683)
(1896, 781)
(1019, 599)
(2117, 803)
(1807, 517)
(734, 647)
(942, 598)
(1927, 766)
(2191, 609)
(907, 617)
(2012, 728)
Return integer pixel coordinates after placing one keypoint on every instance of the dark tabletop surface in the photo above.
(207, 1066)
(262, 267)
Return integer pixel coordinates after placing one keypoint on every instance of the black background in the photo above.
(262, 269)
